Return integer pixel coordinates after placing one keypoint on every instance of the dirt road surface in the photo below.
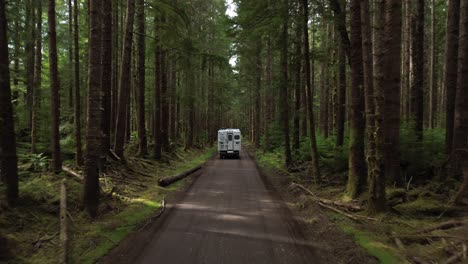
(228, 216)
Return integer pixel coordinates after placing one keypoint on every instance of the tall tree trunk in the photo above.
(106, 74)
(297, 85)
(70, 55)
(140, 80)
(268, 91)
(164, 101)
(432, 71)
(29, 55)
(16, 59)
(376, 176)
(258, 87)
(340, 16)
(368, 64)
(125, 81)
(417, 50)
(460, 131)
(173, 107)
(310, 95)
(406, 72)
(284, 105)
(8, 158)
(357, 166)
(115, 72)
(94, 115)
(54, 89)
(450, 73)
(157, 94)
(392, 86)
(77, 105)
(37, 80)
(341, 109)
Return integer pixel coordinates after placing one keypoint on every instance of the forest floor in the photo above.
(131, 196)
(420, 227)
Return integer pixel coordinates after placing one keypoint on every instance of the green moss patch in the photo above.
(373, 245)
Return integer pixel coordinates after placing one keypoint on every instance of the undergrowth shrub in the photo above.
(419, 160)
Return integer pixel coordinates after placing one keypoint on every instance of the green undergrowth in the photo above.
(421, 203)
(31, 229)
(373, 245)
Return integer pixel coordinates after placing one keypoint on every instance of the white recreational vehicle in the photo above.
(229, 143)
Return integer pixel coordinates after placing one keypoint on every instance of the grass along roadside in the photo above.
(31, 229)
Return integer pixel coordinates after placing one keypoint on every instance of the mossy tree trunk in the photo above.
(357, 165)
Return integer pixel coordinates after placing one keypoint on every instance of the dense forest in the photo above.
(369, 96)
(378, 82)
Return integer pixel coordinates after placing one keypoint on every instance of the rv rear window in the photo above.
(236, 137)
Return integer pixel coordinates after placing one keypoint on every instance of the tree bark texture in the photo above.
(94, 115)
(357, 166)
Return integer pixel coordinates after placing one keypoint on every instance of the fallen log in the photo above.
(169, 180)
(72, 173)
(114, 155)
(338, 211)
(420, 237)
(38, 243)
(443, 226)
(350, 207)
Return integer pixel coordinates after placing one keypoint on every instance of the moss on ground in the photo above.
(32, 227)
(373, 245)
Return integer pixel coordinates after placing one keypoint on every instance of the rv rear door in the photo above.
(230, 143)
